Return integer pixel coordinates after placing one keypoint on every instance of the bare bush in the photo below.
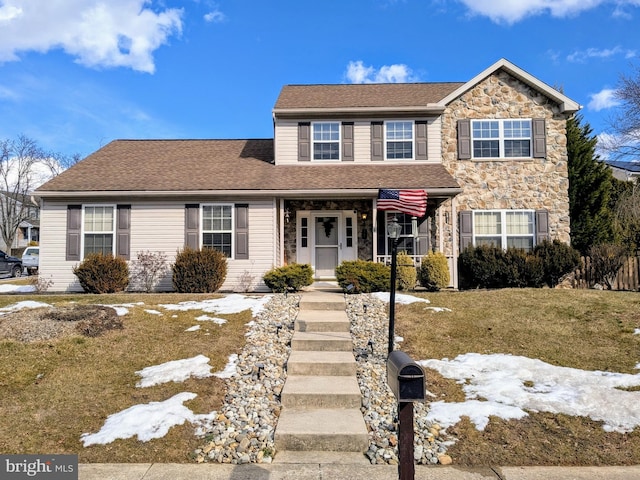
(148, 269)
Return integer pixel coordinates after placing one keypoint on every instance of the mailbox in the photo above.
(405, 377)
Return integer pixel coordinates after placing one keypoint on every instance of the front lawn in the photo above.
(53, 391)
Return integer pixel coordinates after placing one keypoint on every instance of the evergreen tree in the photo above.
(590, 183)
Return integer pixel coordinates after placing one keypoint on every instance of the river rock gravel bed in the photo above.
(244, 428)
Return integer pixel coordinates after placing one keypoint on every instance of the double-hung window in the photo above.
(406, 241)
(501, 138)
(504, 228)
(399, 140)
(99, 229)
(326, 140)
(217, 228)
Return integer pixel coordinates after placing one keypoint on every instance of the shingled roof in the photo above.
(228, 165)
(348, 96)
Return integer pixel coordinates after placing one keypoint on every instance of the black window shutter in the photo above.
(242, 232)
(542, 226)
(464, 139)
(421, 140)
(304, 141)
(377, 143)
(192, 226)
(466, 229)
(347, 142)
(123, 231)
(74, 232)
(539, 138)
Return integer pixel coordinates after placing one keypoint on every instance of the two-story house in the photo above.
(490, 152)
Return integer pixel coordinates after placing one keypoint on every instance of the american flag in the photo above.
(411, 202)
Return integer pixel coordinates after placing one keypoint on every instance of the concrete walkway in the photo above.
(328, 471)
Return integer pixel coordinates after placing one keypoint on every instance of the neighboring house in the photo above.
(625, 171)
(29, 228)
(490, 152)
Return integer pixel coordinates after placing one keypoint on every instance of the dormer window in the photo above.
(326, 140)
(399, 140)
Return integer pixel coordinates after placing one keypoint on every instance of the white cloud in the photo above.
(605, 98)
(581, 56)
(215, 16)
(118, 33)
(512, 11)
(358, 72)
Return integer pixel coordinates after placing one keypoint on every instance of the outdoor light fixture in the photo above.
(394, 229)
(364, 215)
(287, 215)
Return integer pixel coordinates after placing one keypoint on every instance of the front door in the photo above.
(327, 245)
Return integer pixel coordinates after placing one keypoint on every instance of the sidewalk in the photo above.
(326, 471)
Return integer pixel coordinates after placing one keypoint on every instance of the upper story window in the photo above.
(501, 138)
(326, 140)
(217, 228)
(399, 140)
(99, 229)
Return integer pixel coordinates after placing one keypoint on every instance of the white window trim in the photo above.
(403, 234)
(113, 226)
(314, 142)
(233, 225)
(386, 140)
(503, 222)
(501, 138)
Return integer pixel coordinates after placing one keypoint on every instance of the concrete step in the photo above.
(322, 301)
(333, 458)
(322, 321)
(336, 430)
(321, 363)
(322, 341)
(307, 391)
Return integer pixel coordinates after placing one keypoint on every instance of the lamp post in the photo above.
(393, 231)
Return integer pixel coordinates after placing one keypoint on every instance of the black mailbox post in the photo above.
(407, 382)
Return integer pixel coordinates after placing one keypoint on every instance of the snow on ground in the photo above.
(147, 421)
(175, 371)
(207, 318)
(230, 368)
(195, 328)
(512, 385)
(8, 288)
(153, 312)
(234, 303)
(122, 308)
(400, 298)
(20, 305)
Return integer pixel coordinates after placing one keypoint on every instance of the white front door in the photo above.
(327, 234)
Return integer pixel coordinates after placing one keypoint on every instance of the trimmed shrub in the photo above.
(534, 272)
(99, 273)
(434, 271)
(360, 276)
(199, 271)
(558, 259)
(406, 272)
(481, 267)
(289, 278)
(606, 260)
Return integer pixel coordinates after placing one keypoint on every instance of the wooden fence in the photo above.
(628, 277)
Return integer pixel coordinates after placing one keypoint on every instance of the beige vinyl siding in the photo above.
(286, 141)
(158, 227)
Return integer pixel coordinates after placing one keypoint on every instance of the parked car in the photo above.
(30, 260)
(10, 266)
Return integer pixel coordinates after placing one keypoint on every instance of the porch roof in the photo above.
(217, 166)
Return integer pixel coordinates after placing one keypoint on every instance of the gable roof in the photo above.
(217, 167)
(566, 104)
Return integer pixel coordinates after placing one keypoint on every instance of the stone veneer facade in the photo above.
(537, 183)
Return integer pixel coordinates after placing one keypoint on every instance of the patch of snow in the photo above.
(207, 318)
(175, 371)
(193, 329)
(400, 298)
(153, 312)
(514, 382)
(230, 368)
(438, 309)
(234, 303)
(448, 414)
(21, 305)
(8, 288)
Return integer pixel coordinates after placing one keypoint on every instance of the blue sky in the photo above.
(77, 74)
